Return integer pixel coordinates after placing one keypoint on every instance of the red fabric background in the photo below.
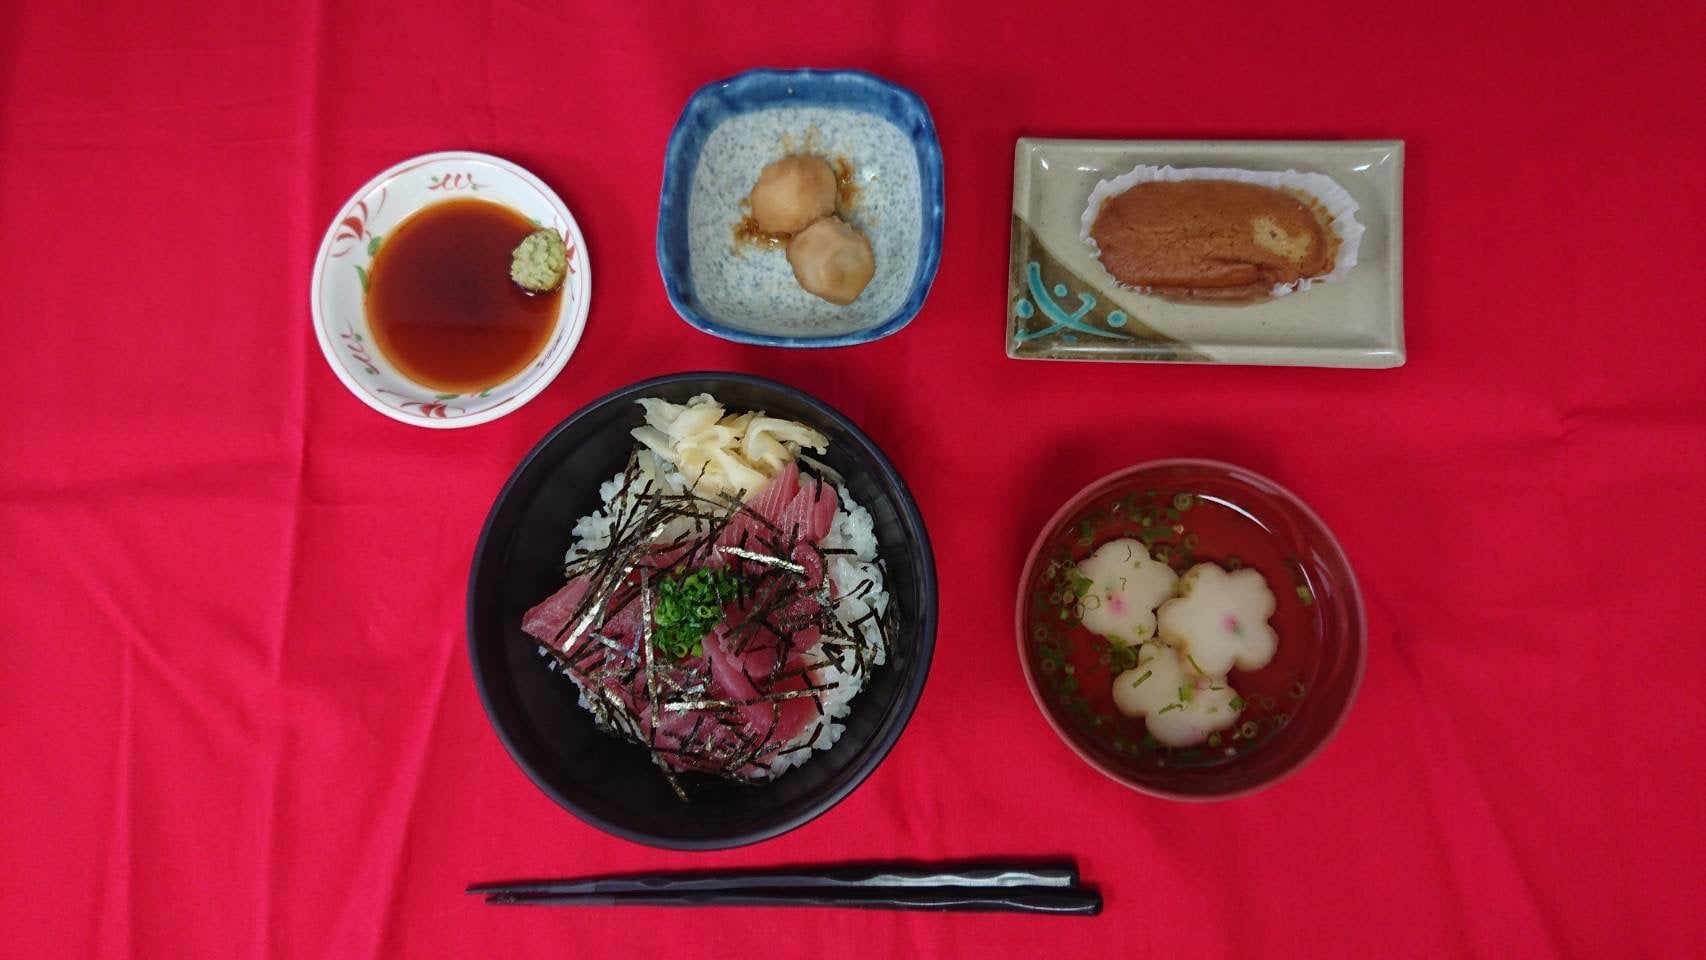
(236, 717)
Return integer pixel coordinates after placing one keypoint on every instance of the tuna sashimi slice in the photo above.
(769, 501)
(796, 508)
(810, 512)
(746, 676)
(547, 620)
(548, 617)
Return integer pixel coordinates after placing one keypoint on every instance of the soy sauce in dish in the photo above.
(441, 304)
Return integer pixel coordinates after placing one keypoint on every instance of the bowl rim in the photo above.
(1353, 588)
(572, 323)
(676, 180)
(877, 749)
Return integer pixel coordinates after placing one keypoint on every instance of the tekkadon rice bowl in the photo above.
(726, 603)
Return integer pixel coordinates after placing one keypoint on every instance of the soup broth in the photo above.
(1182, 526)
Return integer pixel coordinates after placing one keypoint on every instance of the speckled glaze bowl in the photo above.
(727, 132)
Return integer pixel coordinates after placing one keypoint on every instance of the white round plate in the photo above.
(339, 287)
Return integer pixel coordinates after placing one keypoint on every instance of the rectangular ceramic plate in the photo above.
(1062, 305)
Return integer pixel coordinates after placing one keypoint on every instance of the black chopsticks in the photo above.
(1049, 889)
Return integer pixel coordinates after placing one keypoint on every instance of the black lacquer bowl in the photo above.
(611, 784)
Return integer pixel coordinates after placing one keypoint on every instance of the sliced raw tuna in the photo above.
(770, 501)
(547, 618)
(797, 508)
(545, 622)
(794, 508)
(746, 676)
(811, 511)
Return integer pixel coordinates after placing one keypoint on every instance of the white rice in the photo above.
(851, 530)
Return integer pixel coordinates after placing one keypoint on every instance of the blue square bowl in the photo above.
(727, 132)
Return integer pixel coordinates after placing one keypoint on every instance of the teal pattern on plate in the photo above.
(1040, 299)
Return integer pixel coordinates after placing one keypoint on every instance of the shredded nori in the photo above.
(774, 581)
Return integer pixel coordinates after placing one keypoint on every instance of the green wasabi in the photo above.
(540, 262)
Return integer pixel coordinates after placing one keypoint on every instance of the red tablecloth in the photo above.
(236, 717)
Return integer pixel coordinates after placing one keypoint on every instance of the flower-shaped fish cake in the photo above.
(1179, 706)
(1119, 588)
(1220, 620)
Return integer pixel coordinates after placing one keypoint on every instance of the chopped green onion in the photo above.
(1080, 584)
(687, 607)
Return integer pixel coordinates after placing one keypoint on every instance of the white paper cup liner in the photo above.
(1333, 198)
